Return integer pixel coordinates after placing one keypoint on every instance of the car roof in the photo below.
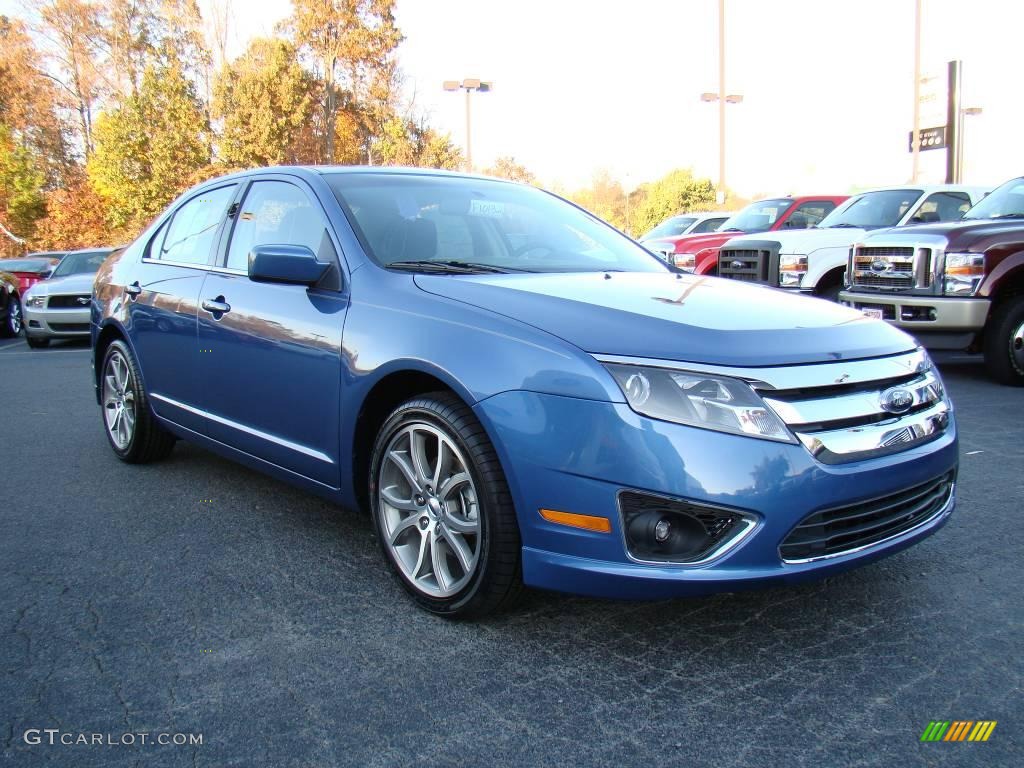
(929, 188)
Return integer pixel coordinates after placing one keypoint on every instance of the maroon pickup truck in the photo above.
(955, 286)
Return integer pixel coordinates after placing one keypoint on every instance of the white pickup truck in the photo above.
(814, 260)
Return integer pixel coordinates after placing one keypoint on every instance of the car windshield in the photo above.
(884, 208)
(757, 217)
(429, 222)
(673, 227)
(36, 266)
(1005, 202)
(80, 263)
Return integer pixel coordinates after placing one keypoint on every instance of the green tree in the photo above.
(263, 99)
(508, 168)
(151, 147)
(673, 193)
(605, 198)
(22, 203)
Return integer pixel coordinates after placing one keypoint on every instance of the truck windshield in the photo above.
(1005, 202)
(422, 222)
(757, 217)
(884, 208)
(673, 227)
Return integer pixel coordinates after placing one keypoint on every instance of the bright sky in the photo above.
(582, 85)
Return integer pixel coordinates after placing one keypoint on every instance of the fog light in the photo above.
(659, 529)
(662, 530)
(673, 536)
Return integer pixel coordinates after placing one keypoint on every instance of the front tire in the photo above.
(442, 509)
(10, 324)
(1004, 342)
(131, 429)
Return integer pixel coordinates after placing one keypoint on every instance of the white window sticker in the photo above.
(486, 208)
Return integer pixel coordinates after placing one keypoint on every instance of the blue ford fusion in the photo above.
(517, 393)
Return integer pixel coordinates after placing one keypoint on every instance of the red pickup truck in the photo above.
(699, 253)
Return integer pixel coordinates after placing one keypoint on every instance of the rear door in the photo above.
(269, 364)
(163, 313)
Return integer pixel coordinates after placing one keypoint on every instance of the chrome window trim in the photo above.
(204, 267)
(749, 520)
(943, 511)
(805, 376)
(298, 448)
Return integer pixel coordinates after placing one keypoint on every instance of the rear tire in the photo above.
(131, 428)
(1004, 342)
(442, 509)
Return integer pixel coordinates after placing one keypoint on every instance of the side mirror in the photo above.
(294, 264)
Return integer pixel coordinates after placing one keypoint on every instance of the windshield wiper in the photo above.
(849, 226)
(1009, 216)
(449, 267)
(731, 229)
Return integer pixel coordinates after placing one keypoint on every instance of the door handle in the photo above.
(134, 289)
(216, 306)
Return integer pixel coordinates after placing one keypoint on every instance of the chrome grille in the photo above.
(749, 265)
(891, 267)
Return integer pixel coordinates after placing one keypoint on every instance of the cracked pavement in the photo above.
(265, 619)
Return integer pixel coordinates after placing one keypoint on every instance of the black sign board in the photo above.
(931, 138)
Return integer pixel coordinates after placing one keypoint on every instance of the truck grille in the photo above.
(891, 267)
(756, 263)
(835, 531)
(68, 302)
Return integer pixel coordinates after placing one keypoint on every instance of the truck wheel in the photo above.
(442, 509)
(1004, 342)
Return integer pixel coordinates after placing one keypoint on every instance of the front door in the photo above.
(163, 309)
(270, 354)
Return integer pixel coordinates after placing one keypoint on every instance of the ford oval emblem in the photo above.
(897, 400)
(738, 264)
(879, 265)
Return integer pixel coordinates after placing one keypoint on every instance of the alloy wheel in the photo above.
(429, 510)
(119, 401)
(14, 317)
(1017, 347)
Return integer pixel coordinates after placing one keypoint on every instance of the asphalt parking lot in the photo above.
(197, 596)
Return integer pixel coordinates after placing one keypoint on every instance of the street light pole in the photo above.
(469, 85)
(722, 98)
(916, 138)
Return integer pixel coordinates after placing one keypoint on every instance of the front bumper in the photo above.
(577, 455)
(56, 323)
(923, 313)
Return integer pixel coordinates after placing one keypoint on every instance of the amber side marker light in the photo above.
(573, 520)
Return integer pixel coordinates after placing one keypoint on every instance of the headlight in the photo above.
(35, 301)
(685, 260)
(792, 269)
(699, 400)
(964, 273)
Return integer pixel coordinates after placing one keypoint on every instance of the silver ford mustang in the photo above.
(58, 308)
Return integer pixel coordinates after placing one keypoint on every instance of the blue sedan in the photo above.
(515, 391)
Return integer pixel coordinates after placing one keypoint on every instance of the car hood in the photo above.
(694, 243)
(807, 240)
(80, 283)
(688, 318)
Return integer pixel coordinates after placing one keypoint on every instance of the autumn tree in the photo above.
(21, 186)
(348, 43)
(150, 148)
(605, 198)
(263, 100)
(508, 168)
(76, 217)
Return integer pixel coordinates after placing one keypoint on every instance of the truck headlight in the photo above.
(685, 260)
(35, 301)
(699, 400)
(964, 273)
(792, 269)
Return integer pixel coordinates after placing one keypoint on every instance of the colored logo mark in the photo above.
(958, 730)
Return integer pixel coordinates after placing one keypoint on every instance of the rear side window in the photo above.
(189, 237)
(810, 214)
(274, 213)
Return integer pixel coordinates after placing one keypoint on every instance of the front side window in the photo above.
(810, 214)
(942, 206)
(708, 225)
(418, 221)
(757, 217)
(274, 213)
(884, 208)
(191, 233)
(80, 263)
